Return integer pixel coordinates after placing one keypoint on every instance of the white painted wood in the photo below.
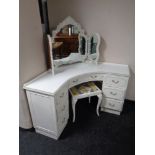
(99, 103)
(48, 94)
(110, 111)
(46, 133)
(114, 93)
(43, 112)
(112, 104)
(49, 114)
(49, 84)
(96, 55)
(67, 21)
(96, 77)
(88, 94)
(115, 81)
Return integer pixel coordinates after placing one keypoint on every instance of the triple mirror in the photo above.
(69, 45)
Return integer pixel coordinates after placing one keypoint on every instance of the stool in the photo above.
(84, 90)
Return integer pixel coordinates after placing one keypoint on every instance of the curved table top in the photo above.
(49, 84)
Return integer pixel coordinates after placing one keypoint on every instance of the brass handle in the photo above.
(112, 93)
(115, 81)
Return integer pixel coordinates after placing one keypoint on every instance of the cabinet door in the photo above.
(43, 112)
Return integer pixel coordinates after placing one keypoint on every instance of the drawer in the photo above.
(115, 81)
(78, 80)
(96, 77)
(112, 104)
(114, 93)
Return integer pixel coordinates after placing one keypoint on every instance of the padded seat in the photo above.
(84, 90)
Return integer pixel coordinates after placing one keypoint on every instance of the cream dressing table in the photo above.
(48, 93)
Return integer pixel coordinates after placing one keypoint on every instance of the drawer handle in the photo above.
(62, 95)
(115, 81)
(112, 105)
(75, 80)
(112, 93)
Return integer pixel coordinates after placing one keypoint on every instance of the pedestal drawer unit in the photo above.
(49, 113)
(114, 90)
(117, 94)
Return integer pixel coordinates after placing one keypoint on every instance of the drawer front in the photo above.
(114, 93)
(78, 80)
(85, 78)
(115, 81)
(96, 77)
(112, 104)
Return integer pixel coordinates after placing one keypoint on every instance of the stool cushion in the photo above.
(84, 88)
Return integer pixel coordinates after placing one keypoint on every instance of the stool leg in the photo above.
(98, 104)
(73, 107)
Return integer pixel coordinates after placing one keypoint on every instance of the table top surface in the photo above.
(49, 84)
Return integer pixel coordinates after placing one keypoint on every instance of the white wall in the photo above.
(112, 19)
(31, 53)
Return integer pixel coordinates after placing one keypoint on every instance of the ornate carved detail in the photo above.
(68, 21)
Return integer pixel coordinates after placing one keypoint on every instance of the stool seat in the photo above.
(85, 90)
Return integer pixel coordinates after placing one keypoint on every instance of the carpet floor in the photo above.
(107, 134)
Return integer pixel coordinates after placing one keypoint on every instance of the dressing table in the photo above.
(48, 93)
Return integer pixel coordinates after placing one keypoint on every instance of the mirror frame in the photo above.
(97, 48)
(68, 21)
(50, 52)
(86, 47)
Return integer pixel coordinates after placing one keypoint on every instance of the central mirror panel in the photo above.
(68, 43)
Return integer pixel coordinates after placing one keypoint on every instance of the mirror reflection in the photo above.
(69, 43)
(93, 44)
(82, 44)
(94, 41)
(65, 42)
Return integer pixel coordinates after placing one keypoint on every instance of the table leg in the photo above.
(73, 107)
(98, 104)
